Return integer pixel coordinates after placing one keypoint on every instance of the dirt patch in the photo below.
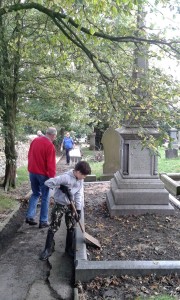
(145, 237)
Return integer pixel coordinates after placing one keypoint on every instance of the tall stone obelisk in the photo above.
(136, 187)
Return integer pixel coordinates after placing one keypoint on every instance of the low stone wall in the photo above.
(2, 165)
(22, 153)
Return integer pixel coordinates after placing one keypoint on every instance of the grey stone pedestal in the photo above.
(136, 187)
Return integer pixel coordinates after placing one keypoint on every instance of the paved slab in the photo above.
(61, 277)
(23, 276)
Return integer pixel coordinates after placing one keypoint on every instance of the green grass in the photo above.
(166, 165)
(6, 203)
(160, 297)
(22, 175)
(90, 157)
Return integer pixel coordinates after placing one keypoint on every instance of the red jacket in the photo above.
(42, 157)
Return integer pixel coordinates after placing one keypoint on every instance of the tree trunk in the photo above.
(10, 152)
(10, 72)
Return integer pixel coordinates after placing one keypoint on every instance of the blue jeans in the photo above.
(38, 188)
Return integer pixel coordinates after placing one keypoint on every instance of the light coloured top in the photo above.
(75, 185)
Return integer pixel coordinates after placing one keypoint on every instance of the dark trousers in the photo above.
(68, 156)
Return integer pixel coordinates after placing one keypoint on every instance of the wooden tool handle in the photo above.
(75, 211)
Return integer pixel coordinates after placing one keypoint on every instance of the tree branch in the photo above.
(120, 39)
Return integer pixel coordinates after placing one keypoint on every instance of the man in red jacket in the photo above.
(41, 166)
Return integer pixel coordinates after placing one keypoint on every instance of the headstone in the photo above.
(178, 137)
(173, 135)
(111, 144)
(92, 144)
(172, 151)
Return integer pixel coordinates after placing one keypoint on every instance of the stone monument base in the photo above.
(136, 209)
(134, 196)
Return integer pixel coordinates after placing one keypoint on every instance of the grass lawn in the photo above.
(6, 203)
(167, 165)
(22, 175)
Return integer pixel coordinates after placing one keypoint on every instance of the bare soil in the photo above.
(145, 237)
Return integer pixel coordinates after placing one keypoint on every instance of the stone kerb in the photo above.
(111, 144)
(87, 270)
(171, 182)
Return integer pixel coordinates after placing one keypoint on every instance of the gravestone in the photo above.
(178, 137)
(173, 135)
(172, 150)
(111, 144)
(92, 144)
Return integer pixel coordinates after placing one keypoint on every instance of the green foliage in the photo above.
(58, 75)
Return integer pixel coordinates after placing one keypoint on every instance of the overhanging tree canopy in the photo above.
(106, 33)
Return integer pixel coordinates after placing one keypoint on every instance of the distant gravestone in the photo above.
(92, 144)
(178, 138)
(111, 143)
(172, 151)
(173, 132)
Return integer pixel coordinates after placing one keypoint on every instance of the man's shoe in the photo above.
(43, 224)
(31, 221)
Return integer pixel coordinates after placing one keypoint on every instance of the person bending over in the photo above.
(68, 187)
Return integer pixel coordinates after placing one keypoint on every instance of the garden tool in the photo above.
(89, 239)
